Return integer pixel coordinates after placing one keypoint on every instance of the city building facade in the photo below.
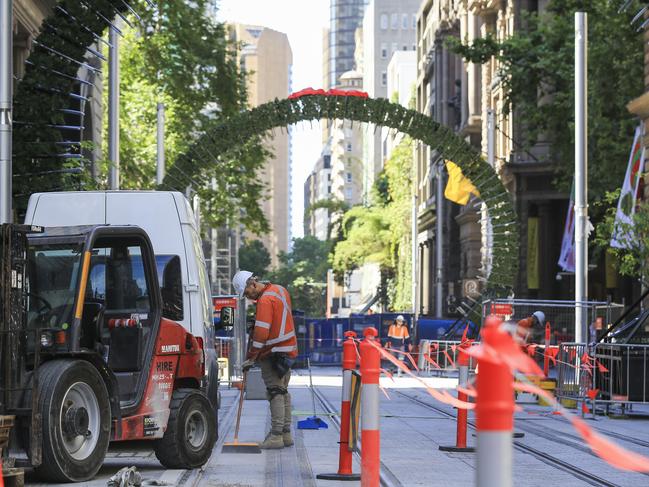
(388, 26)
(267, 58)
(318, 188)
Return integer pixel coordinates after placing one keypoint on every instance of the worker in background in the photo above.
(274, 348)
(522, 329)
(398, 337)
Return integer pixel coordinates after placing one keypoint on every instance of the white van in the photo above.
(169, 220)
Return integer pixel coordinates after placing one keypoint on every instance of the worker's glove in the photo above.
(247, 365)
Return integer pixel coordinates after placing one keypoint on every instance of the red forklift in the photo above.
(87, 355)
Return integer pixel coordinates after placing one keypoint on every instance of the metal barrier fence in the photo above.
(560, 314)
(619, 372)
(443, 355)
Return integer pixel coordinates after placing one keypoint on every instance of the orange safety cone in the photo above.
(462, 414)
(345, 454)
(494, 412)
(370, 432)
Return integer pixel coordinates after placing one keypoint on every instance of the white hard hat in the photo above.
(240, 280)
(401, 318)
(540, 317)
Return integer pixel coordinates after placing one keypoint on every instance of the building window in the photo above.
(349, 147)
(405, 48)
(384, 78)
(384, 21)
(384, 50)
(414, 21)
(348, 193)
(394, 21)
(349, 177)
(414, 47)
(404, 21)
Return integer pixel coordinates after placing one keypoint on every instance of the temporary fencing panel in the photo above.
(560, 314)
(612, 373)
(440, 356)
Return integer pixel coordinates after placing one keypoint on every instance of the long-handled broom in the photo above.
(236, 446)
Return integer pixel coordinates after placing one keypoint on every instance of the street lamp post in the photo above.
(581, 175)
(113, 108)
(6, 106)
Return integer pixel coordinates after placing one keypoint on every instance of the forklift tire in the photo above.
(75, 408)
(191, 431)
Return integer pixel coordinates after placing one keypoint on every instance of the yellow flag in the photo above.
(458, 188)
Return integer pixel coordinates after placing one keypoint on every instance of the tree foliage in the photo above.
(380, 233)
(632, 259)
(536, 72)
(181, 57)
(303, 271)
(254, 257)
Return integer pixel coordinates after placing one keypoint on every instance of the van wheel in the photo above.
(191, 431)
(75, 408)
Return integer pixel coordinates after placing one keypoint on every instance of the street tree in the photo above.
(254, 257)
(632, 258)
(380, 233)
(183, 58)
(303, 271)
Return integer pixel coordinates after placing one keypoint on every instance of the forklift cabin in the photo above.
(90, 347)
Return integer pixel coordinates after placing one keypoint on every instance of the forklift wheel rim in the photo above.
(196, 429)
(80, 395)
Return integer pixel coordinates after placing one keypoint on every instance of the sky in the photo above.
(303, 26)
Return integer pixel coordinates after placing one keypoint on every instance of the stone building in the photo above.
(461, 95)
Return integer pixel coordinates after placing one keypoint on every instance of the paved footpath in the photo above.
(413, 426)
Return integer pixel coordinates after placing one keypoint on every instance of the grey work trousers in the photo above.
(278, 396)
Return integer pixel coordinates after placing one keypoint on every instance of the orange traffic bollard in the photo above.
(345, 455)
(494, 412)
(462, 414)
(546, 355)
(370, 432)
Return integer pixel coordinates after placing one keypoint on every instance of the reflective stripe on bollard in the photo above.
(345, 454)
(462, 414)
(370, 434)
(494, 414)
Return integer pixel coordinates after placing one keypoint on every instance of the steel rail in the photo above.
(544, 457)
(387, 478)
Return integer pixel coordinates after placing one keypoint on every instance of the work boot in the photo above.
(288, 439)
(273, 441)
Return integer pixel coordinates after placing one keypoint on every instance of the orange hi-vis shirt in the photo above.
(274, 331)
(399, 333)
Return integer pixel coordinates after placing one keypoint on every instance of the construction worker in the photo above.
(522, 329)
(398, 336)
(274, 348)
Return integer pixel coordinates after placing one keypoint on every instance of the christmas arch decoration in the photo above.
(310, 104)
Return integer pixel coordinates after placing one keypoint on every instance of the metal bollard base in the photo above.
(338, 476)
(459, 449)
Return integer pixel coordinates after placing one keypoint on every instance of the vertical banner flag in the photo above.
(628, 196)
(567, 256)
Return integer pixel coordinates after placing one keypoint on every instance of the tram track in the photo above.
(387, 478)
(551, 460)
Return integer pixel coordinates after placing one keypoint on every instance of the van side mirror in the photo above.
(227, 316)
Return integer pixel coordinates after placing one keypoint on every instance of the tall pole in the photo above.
(6, 97)
(160, 159)
(113, 108)
(581, 176)
(439, 275)
(491, 136)
(414, 263)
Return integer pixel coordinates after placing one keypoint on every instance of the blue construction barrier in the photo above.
(321, 339)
